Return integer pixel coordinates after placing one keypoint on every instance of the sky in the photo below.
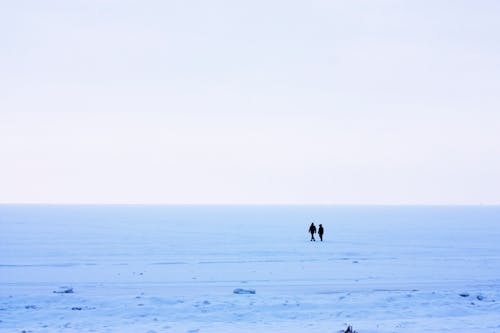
(250, 102)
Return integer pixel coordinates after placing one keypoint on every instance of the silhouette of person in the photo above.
(312, 230)
(320, 232)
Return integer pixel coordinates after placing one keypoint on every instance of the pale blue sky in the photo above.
(348, 102)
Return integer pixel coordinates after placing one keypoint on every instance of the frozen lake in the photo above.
(174, 269)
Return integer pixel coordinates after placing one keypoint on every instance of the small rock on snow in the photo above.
(243, 291)
(464, 294)
(64, 290)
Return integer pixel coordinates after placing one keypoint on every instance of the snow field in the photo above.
(175, 269)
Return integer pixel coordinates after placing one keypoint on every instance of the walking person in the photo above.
(312, 230)
(320, 232)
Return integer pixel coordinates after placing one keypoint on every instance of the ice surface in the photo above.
(174, 269)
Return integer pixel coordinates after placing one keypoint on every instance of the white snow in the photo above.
(176, 269)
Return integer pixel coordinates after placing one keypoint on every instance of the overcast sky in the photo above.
(342, 102)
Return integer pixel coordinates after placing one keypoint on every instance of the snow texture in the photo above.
(176, 269)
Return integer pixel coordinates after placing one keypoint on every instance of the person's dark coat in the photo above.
(312, 230)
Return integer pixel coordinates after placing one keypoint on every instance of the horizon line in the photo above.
(235, 204)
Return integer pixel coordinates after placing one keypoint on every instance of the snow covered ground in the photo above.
(174, 269)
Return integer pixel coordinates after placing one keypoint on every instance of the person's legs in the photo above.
(321, 237)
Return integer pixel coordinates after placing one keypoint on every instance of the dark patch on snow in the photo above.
(464, 294)
(480, 297)
(243, 291)
(64, 290)
(349, 329)
(32, 307)
(80, 308)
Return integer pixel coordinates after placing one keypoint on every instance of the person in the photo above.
(320, 232)
(312, 230)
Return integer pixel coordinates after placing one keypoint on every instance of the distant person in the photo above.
(312, 230)
(320, 232)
